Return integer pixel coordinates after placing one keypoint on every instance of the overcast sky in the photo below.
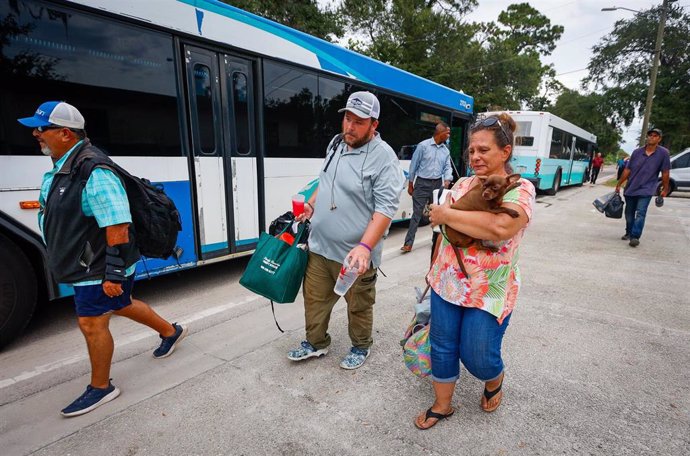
(585, 24)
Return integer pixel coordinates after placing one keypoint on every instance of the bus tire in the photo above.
(17, 291)
(556, 184)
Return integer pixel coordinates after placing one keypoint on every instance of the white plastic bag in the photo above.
(601, 202)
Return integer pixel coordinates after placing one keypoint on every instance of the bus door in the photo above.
(223, 152)
(568, 176)
(240, 150)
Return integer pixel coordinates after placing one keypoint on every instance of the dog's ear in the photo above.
(483, 178)
(512, 181)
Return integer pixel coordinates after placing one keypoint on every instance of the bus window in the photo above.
(290, 117)
(556, 144)
(581, 150)
(241, 111)
(204, 109)
(126, 91)
(523, 134)
(332, 97)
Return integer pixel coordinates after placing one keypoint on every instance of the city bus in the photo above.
(229, 112)
(549, 151)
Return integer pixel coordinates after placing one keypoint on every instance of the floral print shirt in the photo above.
(494, 279)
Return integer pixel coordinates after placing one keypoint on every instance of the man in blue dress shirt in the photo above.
(430, 169)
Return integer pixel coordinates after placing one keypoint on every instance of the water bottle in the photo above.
(348, 275)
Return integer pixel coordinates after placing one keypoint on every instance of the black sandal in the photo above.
(488, 395)
(432, 414)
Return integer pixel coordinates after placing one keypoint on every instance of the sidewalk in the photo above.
(597, 363)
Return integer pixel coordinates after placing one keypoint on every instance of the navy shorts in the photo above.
(91, 301)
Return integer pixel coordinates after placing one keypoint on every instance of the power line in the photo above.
(560, 6)
(573, 71)
(584, 36)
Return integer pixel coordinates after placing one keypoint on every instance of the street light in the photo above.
(614, 8)
(655, 64)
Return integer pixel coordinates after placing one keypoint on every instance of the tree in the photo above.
(303, 15)
(620, 67)
(416, 35)
(592, 113)
(498, 63)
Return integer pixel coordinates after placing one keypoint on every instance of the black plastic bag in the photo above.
(614, 208)
(278, 225)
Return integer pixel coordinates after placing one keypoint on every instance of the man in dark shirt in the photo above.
(642, 174)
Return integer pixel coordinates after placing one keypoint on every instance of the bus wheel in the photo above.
(556, 184)
(17, 291)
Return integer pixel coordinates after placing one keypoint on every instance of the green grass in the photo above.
(612, 183)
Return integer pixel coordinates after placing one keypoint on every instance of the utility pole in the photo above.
(654, 71)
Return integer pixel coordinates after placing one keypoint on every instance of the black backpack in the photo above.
(154, 215)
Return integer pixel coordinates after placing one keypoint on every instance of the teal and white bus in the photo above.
(230, 112)
(549, 151)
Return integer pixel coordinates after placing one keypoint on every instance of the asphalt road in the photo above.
(597, 360)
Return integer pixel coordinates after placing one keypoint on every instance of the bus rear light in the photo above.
(29, 205)
(537, 166)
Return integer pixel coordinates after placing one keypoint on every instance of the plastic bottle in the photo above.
(348, 275)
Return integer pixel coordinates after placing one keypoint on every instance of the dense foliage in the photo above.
(497, 62)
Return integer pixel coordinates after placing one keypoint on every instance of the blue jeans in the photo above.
(465, 334)
(635, 213)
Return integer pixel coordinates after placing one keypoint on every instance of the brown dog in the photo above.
(486, 197)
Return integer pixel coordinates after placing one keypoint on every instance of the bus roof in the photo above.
(553, 120)
(217, 21)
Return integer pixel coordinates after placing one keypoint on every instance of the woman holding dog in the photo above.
(470, 313)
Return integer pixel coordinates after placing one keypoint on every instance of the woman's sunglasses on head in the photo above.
(490, 122)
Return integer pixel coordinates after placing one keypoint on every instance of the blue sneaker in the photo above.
(355, 358)
(91, 399)
(168, 344)
(305, 351)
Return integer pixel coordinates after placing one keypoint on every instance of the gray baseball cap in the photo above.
(363, 104)
(655, 130)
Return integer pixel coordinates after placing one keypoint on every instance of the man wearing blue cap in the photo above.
(358, 194)
(642, 174)
(90, 244)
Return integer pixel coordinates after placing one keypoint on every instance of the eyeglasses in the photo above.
(490, 122)
(42, 129)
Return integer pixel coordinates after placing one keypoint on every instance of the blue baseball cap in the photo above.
(56, 113)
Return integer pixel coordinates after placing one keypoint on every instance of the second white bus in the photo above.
(549, 151)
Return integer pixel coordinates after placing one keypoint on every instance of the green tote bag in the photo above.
(276, 269)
